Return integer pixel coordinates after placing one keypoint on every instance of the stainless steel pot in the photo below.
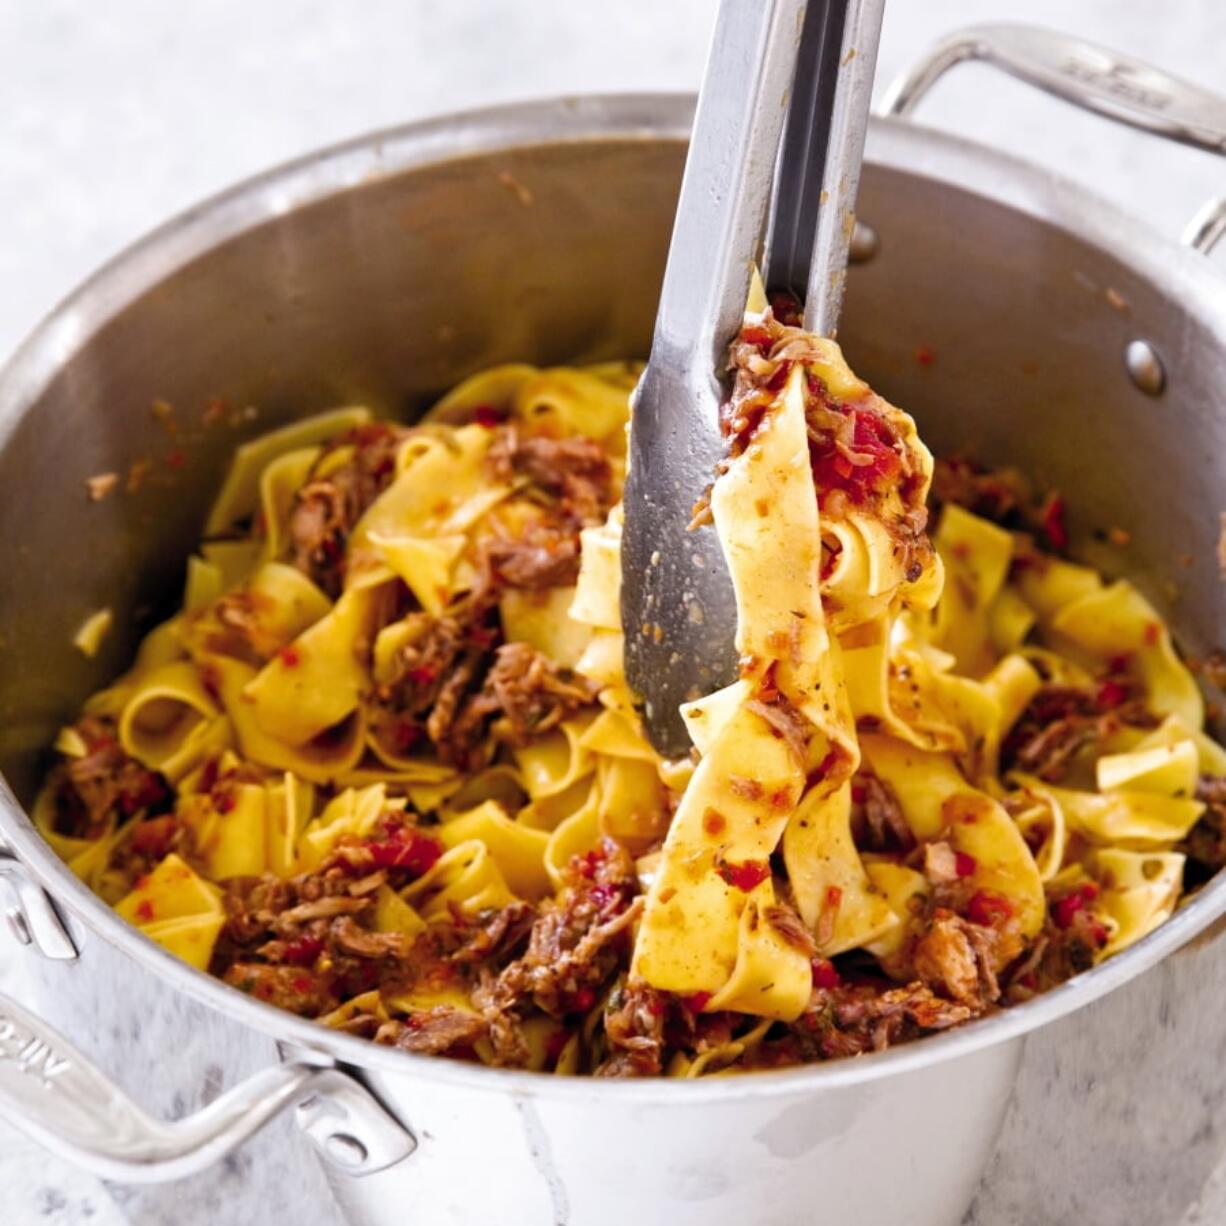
(385, 270)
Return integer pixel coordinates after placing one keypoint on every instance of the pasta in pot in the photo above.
(383, 768)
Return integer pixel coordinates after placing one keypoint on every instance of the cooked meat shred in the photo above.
(104, 785)
(1206, 841)
(877, 820)
(634, 1022)
(575, 472)
(1063, 720)
(327, 507)
(459, 690)
(436, 1031)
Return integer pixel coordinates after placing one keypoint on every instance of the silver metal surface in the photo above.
(865, 243)
(677, 602)
(1092, 77)
(335, 279)
(841, 172)
(32, 916)
(1207, 228)
(50, 1091)
(804, 149)
(348, 1127)
(1145, 367)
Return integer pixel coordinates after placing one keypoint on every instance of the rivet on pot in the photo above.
(345, 1150)
(864, 243)
(1145, 367)
(18, 926)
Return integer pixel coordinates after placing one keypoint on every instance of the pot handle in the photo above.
(1094, 78)
(67, 1104)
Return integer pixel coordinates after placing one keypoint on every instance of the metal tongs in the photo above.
(778, 135)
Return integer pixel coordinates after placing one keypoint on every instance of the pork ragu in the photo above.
(387, 775)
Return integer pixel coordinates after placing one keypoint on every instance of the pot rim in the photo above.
(893, 143)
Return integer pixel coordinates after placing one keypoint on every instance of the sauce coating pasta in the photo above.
(383, 769)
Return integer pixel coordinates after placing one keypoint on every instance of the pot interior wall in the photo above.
(391, 290)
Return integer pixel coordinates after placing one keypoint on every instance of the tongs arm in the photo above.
(727, 185)
(678, 607)
(812, 211)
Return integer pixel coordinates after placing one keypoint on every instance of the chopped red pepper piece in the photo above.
(1063, 910)
(696, 1002)
(407, 849)
(986, 909)
(965, 864)
(1053, 523)
(582, 1000)
(422, 675)
(746, 875)
(303, 951)
(290, 656)
(825, 974)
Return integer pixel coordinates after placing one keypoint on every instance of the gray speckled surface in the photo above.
(114, 116)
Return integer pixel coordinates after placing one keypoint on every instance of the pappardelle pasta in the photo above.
(383, 769)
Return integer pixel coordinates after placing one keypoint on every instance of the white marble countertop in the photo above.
(114, 116)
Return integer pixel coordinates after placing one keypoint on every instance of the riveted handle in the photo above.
(55, 1095)
(1094, 78)
(1083, 73)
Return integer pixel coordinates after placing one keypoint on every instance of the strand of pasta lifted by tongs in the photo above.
(771, 179)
